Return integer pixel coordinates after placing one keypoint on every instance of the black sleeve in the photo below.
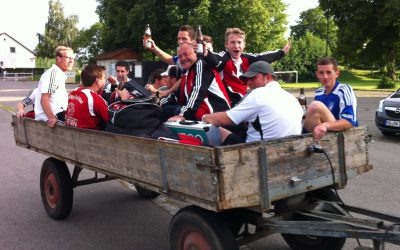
(171, 99)
(267, 56)
(217, 60)
(201, 82)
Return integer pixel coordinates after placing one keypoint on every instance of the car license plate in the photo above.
(392, 123)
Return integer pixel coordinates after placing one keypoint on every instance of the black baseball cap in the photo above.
(258, 67)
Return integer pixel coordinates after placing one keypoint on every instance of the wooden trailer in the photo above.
(228, 189)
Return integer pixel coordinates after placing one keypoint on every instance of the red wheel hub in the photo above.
(51, 190)
(194, 240)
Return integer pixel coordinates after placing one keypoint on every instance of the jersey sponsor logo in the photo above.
(76, 98)
(330, 106)
(70, 121)
(348, 116)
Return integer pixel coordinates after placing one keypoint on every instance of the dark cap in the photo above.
(258, 67)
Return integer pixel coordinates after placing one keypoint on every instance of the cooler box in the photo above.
(207, 133)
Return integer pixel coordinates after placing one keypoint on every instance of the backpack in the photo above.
(138, 117)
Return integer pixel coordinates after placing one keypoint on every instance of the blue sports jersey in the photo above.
(342, 102)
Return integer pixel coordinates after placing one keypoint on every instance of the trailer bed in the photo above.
(220, 178)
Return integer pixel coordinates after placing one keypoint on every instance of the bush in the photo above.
(387, 83)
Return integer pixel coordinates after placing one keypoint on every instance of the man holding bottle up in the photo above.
(186, 34)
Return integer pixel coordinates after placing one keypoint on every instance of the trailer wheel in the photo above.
(196, 228)
(308, 242)
(56, 188)
(146, 193)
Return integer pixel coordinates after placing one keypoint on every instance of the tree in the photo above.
(89, 43)
(317, 23)
(369, 31)
(263, 21)
(303, 56)
(58, 30)
(124, 21)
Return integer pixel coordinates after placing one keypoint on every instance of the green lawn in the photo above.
(358, 79)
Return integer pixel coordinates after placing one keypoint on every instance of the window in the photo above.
(12, 49)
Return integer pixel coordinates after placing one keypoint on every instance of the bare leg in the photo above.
(317, 113)
(224, 133)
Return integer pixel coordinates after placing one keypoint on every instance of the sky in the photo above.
(22, 19)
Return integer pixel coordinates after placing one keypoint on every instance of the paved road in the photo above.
(110, 216)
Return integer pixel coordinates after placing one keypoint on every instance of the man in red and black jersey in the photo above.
(86, 108)
(233, 63)
(201, 91)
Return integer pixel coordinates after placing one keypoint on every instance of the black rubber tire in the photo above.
(196, 228)
(233, 219)
(56, 189)
(146, 193)
(305, 242)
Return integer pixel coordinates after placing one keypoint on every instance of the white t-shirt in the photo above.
(278, 112)
(52, 82)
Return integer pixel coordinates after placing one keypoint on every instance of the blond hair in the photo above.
(61, 49)
(234, 31)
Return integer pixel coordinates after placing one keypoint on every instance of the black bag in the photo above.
(138, 117)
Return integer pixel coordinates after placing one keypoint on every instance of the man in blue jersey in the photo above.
(335, 105)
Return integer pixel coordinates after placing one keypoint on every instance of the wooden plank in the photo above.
(286, 158)
(131, 158)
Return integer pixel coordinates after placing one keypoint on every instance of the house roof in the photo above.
(15, 40)
(119, 54)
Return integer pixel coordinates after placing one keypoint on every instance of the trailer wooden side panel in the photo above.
(290, 168)
(169, 168)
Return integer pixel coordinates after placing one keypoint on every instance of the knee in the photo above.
(315, 107)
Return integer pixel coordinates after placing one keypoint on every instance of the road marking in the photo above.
(7, 108)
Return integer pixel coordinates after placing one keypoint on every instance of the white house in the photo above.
(13, 54)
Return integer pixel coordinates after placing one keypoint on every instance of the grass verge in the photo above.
(357, 79)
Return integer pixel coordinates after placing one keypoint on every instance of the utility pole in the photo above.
(327, 35)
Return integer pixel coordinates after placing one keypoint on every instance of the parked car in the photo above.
(387, 116)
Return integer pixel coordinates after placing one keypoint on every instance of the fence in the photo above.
(17, 76)
(287, 79)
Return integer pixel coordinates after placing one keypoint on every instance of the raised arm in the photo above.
(217, 60)
(167, 58)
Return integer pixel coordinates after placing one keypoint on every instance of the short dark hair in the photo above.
(122, 63)
(189, 29)
(328, 61)
(208, 39)
(90, 73)
(174, 72)
(156, 75)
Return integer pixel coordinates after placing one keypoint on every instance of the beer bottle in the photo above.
(199, 41)
(121, 82)
(147, 35)
(302, 100)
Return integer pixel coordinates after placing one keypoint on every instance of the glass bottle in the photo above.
(302, 100)
(199, 41)
(147, 36)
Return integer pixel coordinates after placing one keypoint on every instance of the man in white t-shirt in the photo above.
(270, 111)
(52, 98)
